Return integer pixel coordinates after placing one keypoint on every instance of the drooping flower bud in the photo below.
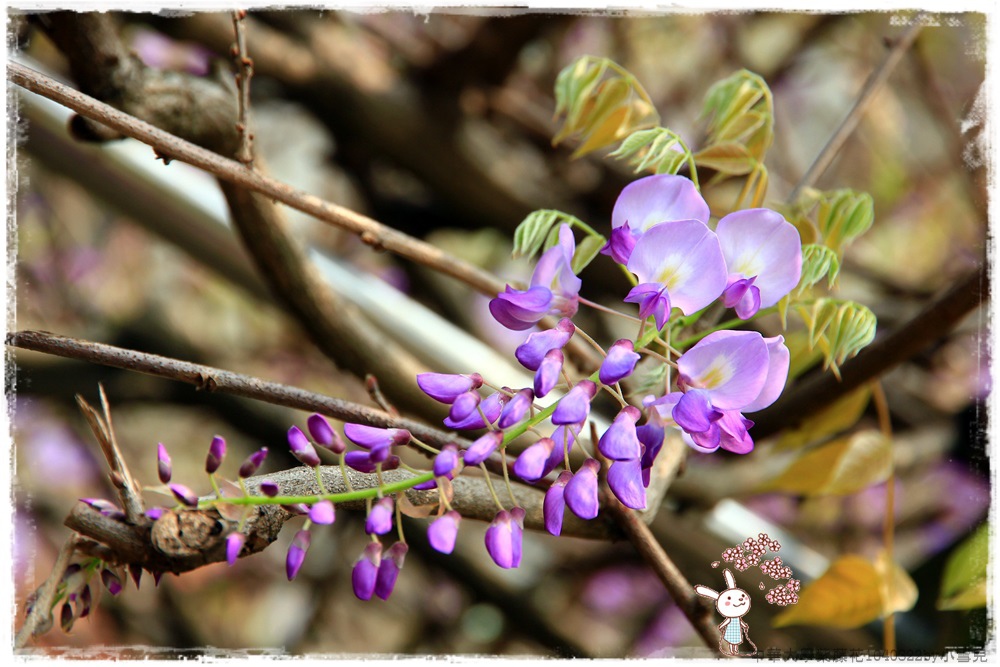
(216, 452)
(530, 464)
(446, 462)
(503, 539)
(379, 520)
(388, 569)
(249, 466)
(163, 465)
(184, 495)
(365, 573)
(443, 531)
(620, 442)
(547, 375)
(531, 352)
(323, 433)
(574, 407)
(516, 408)
(322, 513)
(297, 553)
(491, 406)
(482, 447)
(111, 581)
(446, 388)
(619, 363)
(154, 513)
(554, 503)
(464, 405)
(581, 490)
(269, 488)
(377, 440)
(301, 448)
(234, 545)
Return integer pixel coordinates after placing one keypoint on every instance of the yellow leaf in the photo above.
(844, 466)
(612, 128)
(727, 158)
(841, 415)
(850, 593)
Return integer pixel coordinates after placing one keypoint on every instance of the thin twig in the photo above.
(875, 82)
(40, 619)
(889, 522)
(244, 71)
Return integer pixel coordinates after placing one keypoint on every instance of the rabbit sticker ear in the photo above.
(706, 592)
(730, 579)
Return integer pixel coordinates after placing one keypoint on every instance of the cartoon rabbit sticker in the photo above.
(733, 603)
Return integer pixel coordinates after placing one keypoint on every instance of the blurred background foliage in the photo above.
(441, 125)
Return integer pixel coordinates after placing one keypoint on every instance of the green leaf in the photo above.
(841, 467)
(841, 329)
(844, 215)
(963, 585)
(818, 261)
(659, 149)
(540, 230)
(740, 109)
(852, 592)
(728, 158)
(586, 251)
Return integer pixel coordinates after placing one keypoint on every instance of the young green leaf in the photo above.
(586, 251)
(963, 585)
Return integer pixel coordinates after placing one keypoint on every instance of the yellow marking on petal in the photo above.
(674, 272)
(718, 373)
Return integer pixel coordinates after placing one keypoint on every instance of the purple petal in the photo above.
(554, 503)
(250, 465)
(216, 452)
(184, 495)
(499, 540)
(736, 290)
(555, 271)
(734, 436)
(653, 299)
(464, 406)
(694, 412)
(379, 520)
(297, 553)
(443, 531)
(154, 513)
(482, 447)
(619, 247)
(777, 374)
(574, 407)
(269, 488)
(651, 436)
(706, 441)
(619, 442)
(530, 464)
(445, 387)
(372, 437)
(519, 310)
(322, 513)
(163, 465)
(234, 545)
(619, 363)
(362, 462)
(491, 406)
(388, 569)
(625, 481)
(548, 372)
(760, 242)
(685, 257)
(731, 365)
(531, 352)
(581, 491)
(301, 448)
(564, 437)
(517, 534)
(365, 573)
(446, 461)
(655, 199)
(324, 435)
(517, 407)
(748, 306)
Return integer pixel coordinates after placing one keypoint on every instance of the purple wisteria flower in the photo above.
(678, 265)
(184, 495)
(388, 569)
(503, 538)
(581, 491)
(447, 460)
(324, 435)
(464, 406)
(250, 465)
(517, 407)
(647, 202)
(547, 375)
(763, 256)
(482, 447)
(163, 464)
(377, 441)
(297, 553)
(234, 545)
(446, 388)
(619, 363)
(443, 531)
(364, 576)
(621, 444)
(322, 513)
(216, 452)
(379, 520)
(554, 503)
(531, 463)
(574, 407)
(491, 406)
(554, 288)
(722, 376)
(301, 448)
(531, 352)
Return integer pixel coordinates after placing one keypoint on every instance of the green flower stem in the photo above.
(361, 494)
(319, 480)
(728, 324)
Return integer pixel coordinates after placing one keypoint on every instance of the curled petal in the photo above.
(619, 363)
(694, 412)
(322, 513)
(777, 374)
(555, 269)
(760, 242)
(301, 448)
(742, 294)
(625, 481)
(365, 572)
(234, 545)
(388, 569)
(531, 352)
(516, 408)
(443, 531)
(363, 462)
(530, 464)
(619, 247)
(491, 406)
(163, 464)
(653, 299)
(619, 442)
(734, 436)
(445, 387)
(655, 199)
(297, 553)
(574, 407)
(519, 310)
(555, 503)
(548, 371)
(581, 490)
(379, 520)
(482, 447)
